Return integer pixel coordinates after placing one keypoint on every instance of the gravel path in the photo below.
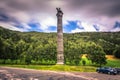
(7, 73)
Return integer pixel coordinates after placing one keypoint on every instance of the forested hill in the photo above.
(17, 45)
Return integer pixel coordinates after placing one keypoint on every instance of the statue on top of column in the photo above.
(59, 12)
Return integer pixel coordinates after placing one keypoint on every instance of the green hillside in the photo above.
(40, 48)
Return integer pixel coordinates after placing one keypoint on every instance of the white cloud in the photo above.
(11, 27)
(44, 13)
(114, 30)
(57, 3)
(25, 26)
(46, 23)
(21, 16)
(77, 30)
(86, 27)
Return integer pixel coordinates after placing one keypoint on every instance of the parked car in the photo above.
(107, 70)
(118, 70)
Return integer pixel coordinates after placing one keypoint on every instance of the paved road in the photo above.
(7, 73)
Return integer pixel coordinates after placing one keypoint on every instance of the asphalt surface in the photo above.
(8, 73)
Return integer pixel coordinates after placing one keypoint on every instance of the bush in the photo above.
(18, 61)
(14, 62)
(84, 62)
(2, 61)
(33, 62)
(8, 61)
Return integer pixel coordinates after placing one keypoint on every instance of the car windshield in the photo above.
(106, 68)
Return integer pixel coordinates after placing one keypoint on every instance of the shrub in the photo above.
(8, 61)
(84, 62)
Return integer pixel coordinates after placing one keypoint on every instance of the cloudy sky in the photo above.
(79, 15)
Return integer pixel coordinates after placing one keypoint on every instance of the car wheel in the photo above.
(98, 71)
(115, 74)
(109, 73)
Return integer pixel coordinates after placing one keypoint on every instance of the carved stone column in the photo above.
(60, 47)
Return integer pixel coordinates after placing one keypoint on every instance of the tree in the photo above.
(8, 49)
(96, 54)
(117, 51)
(107, 46)
(72, 53)
(21, 48)
(29, 55)
(2, 45)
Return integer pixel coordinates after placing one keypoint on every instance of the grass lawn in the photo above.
(111, 62)
(57, 67)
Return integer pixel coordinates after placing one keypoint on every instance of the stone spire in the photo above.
(60, 47)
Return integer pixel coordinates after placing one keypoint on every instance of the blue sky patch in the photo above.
(34, 27)
(70, 26)
(52, 28)
(117, 24)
